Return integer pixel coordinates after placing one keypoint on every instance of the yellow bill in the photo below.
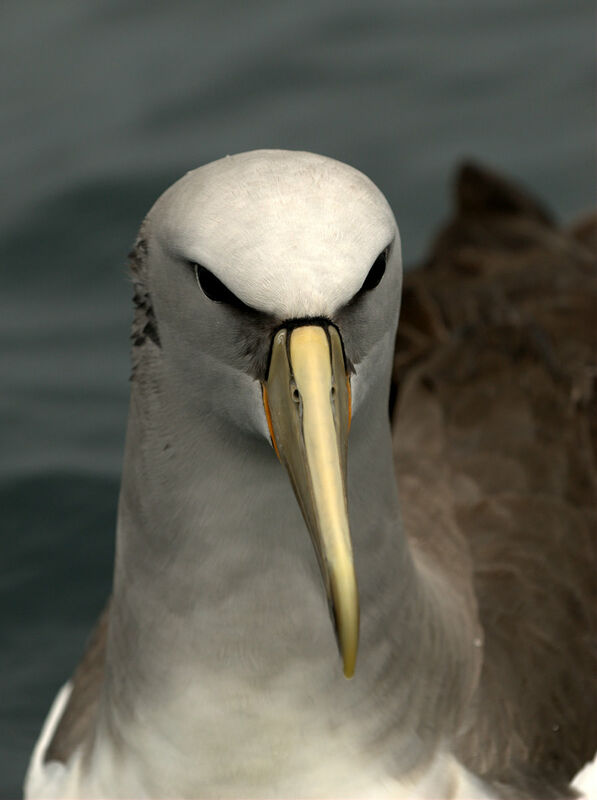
(307, 404)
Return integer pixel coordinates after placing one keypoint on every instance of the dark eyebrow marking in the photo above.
(213, 288)
(375, 274)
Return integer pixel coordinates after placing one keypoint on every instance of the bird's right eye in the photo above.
(214, 289)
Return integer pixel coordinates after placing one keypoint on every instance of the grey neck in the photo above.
(216, 584)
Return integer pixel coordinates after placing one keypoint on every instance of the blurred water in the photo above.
(105, 103)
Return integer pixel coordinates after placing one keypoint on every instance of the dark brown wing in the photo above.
(496, 385)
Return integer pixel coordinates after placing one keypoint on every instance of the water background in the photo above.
(106, 102)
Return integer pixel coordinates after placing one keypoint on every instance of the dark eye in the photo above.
(376, 272)
(213, 288)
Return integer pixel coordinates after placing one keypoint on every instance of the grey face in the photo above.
(240, 246)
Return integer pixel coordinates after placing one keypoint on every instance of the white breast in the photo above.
(335, 773)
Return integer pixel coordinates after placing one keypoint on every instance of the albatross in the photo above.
(279, 626)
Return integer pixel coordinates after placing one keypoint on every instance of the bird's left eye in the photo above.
(376, 272)
(214, 289)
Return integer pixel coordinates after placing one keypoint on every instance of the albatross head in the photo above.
(274, 276)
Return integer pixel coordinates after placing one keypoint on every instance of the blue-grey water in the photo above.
(103, 104)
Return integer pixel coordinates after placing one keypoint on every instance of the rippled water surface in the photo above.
(105, 103)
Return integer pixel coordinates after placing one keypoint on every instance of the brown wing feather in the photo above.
(495, 378)
(78, 717)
